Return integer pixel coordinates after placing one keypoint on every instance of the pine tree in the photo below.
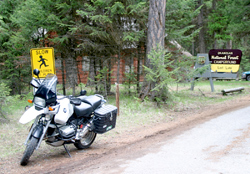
(13, 62)
(45, 17)
(230, 21)
(160, 76)
(155, 38)
(109, 27)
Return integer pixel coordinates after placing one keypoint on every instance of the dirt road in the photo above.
(103, 154)
(218, 146)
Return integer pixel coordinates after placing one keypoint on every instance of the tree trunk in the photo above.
(71, 72)
(78, 73)
(155, 37)
(95, 71)
(130, 72)
(138, 68)
(118, 67)
(229, 44)
(215, 41)
(91, 76)
(214, 9)
(156, 26)
(109, 76)
(63, 80)
(193, 47)
(202, 48)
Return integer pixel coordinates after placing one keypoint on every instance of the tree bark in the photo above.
(91, 72)
(108, 85)
(71, 72)
(118, 67)
(138, 68)
(131, 62)
(155, 37)
(214, 9)
(202, 47)
(63, 80)
(156, 26)
(229, 44)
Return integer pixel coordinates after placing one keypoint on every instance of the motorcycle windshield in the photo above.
(50, 82)
(47, 90)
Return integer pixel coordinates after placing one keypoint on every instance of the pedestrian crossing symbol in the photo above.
(43, 59)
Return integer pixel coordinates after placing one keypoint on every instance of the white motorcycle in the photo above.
(61, 120)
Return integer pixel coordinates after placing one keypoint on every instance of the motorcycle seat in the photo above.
(83, 110)
(92, 100)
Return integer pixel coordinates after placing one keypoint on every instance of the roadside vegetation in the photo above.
(133, 112)
(105, 34)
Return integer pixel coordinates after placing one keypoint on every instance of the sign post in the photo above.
(43, 59)
(202, 60)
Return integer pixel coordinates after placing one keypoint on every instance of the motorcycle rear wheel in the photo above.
(86, 141)
(29, 151)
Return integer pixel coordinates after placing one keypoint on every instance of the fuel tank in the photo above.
(65, 111)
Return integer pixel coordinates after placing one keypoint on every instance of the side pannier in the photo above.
(105, 118)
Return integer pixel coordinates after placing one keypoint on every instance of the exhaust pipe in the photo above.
(83, 131)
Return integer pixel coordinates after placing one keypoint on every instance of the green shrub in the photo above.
(160, 75)
(4, 98)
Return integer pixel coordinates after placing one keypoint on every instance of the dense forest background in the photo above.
(103, 29)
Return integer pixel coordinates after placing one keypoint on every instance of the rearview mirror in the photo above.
(83, 92)
(36, 72)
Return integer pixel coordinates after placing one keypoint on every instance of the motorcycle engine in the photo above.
(68, 131)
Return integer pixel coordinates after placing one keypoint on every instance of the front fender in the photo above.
(38, 131)
(29, 115)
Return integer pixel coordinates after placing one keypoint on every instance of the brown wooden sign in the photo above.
(225, 60)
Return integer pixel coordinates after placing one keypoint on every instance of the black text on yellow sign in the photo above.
(225, 68)
(43, 59)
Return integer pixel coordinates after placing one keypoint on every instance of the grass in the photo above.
(202, 92)
(133, 112)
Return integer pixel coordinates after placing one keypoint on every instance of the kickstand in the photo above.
(66, 150)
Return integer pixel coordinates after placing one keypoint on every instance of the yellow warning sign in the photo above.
(43, 59)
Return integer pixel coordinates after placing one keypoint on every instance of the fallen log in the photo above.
(225, 91)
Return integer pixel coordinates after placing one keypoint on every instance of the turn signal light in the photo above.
(30, 101)
(51, 109)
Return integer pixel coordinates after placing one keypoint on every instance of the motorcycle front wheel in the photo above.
(29, 151)
(86, 141)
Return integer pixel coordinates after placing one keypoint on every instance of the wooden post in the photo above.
(117, 98)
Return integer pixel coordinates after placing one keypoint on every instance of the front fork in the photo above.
(31, 130)
(37, 131)
(44, 132)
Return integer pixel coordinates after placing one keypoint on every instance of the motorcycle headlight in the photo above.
(40, 102)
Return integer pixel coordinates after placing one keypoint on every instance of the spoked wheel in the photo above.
(86, 141)
(29, 151)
